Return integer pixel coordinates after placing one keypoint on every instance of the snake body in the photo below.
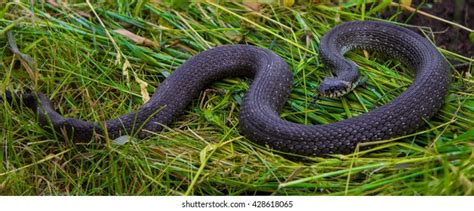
(272, 82)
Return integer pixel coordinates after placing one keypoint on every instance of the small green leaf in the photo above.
(469, 135)
(471, 37)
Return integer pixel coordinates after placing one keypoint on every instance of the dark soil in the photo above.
(446, 36)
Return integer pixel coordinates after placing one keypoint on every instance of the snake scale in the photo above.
(272, 81)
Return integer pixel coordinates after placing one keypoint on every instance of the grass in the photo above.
(94, 73)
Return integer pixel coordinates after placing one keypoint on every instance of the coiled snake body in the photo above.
(259, 117)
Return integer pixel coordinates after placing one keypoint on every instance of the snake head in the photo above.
(333, 87)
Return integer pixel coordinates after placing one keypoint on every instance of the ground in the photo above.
(447, 36)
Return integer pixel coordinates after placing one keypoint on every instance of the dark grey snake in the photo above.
(272, 81)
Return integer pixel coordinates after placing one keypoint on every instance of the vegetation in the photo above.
(100, 60)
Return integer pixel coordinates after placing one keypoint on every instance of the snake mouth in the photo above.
(335, 88)
(337, 93)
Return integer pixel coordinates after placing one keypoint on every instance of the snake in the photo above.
(272, 80)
